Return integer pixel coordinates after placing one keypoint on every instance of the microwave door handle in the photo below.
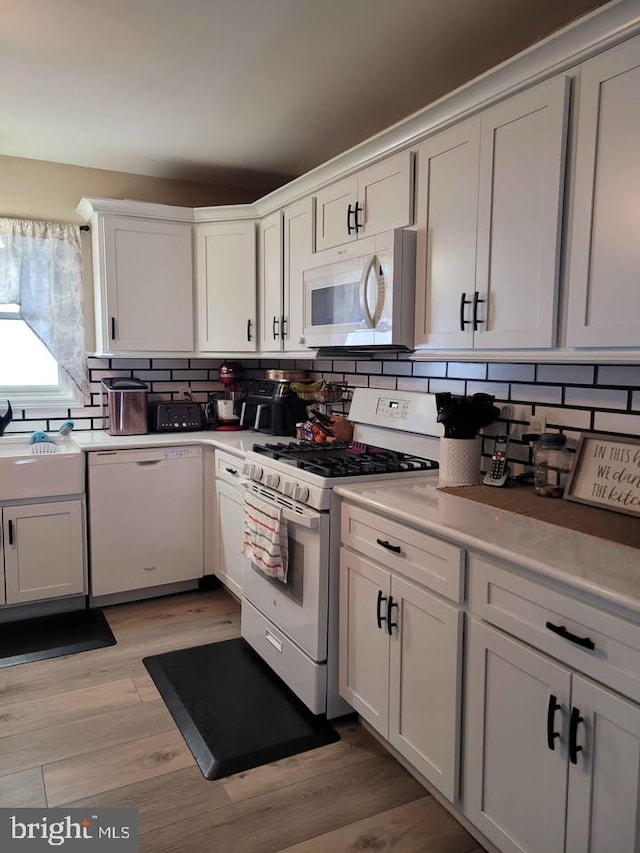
(364, 305)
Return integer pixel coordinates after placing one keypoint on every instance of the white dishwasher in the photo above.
(145, 517)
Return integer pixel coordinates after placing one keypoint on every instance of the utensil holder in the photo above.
(460, 462)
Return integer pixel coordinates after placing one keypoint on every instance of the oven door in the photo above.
(298, 607)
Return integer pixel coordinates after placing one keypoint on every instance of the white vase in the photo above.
(460, 461)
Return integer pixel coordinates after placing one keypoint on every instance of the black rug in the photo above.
(233, 711)
(53, 636)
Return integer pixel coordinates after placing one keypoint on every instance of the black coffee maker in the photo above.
(271, 406)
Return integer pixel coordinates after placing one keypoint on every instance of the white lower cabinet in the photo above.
(44, 554)
(552, 760)
(229, 522)
(400, 665)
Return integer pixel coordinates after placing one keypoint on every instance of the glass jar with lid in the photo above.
(551, 465)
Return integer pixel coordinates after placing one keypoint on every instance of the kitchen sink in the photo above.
(24, 474)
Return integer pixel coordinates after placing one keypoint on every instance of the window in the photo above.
(42, 352)
(29, 374)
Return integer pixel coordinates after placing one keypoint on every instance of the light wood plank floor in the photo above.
(91, 729)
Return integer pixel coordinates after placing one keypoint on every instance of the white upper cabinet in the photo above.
(374, 200)
(270, 273)
(144, 285)
(226, 282)
(489, 214)
(604, 264)
(447, 216)
(298, 248)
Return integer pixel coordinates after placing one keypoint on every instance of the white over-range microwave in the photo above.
(362, 295)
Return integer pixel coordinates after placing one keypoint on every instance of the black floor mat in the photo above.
(53, 636)
(233, 711)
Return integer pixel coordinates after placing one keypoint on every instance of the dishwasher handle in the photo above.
(149, 461)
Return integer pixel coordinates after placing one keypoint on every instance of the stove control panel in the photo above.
(392, 408)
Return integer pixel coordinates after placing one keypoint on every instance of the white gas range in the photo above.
(294, 625)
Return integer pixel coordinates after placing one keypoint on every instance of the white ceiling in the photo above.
(239, 92)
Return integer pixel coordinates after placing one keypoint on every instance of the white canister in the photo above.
(460, 460)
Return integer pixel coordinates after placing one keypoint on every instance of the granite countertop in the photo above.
(236, 441)
(602, 571)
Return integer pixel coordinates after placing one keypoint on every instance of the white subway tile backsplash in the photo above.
(466, 370)
(512, 372)
(576, 418)
(191, 375)
(596, 398)
(413, 383)
(387, 382)
(344, 366)
(131, 363)
(566, 374)
(356, 380)
(536, 393)
(454, 386)
(430, 368)
(172, 363)
(573, 398)
(369, 367)
(628, 375)
(397, 368)
(152, 375)
(500, 390)
(610, 422)
(97, 363)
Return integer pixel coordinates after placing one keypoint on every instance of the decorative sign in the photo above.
(606, 473)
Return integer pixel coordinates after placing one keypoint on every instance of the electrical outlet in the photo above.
(537, 424)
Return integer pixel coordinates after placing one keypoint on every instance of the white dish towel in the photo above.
(265, 537)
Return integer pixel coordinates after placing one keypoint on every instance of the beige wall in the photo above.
(34, 189)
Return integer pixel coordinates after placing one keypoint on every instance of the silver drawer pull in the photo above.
(275, 642)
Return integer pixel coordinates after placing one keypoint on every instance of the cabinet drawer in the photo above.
(558, 624)
(228, 466)
(422, 558)
(307, 679)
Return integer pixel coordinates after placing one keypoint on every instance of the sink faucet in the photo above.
(5, 419)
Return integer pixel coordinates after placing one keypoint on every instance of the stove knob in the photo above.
(246, 469)
(272, 480)
(256, 473)
(289, 487)
(301, 493)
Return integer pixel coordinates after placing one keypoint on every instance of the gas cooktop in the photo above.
(343, 459)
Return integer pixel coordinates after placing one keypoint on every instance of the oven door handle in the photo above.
(309, 520)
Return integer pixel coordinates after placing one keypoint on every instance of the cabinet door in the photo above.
(44, 551)
(603, 812)
(226, 273)
(424, 684)
(447, 215)
(147, 303)
(298, 247)
(522, 155)
(515, 786)
(385, 195)
(229, 537)
(270, 274)
(364, 645)
(604, 291)
(335, 214)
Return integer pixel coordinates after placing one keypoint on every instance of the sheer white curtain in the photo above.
(41, 270)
